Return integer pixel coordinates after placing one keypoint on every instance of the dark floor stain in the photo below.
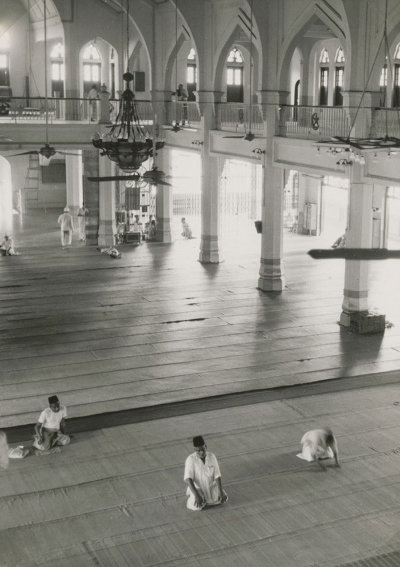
(184, 320)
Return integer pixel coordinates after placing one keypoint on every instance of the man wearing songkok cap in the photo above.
(203, 477)
(50, 427)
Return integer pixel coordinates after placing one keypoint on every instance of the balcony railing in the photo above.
(183, 112)
(313, 122)
(317, 122)
(306, 122)
(18, 109)
(236, 116)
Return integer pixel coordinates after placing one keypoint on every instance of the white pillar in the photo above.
(271, 264)
(209, 244)
(358, 235)
(73, 166)
(107, 227)
(210, 174)
(164, 201)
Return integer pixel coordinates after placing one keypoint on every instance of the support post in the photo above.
(355, 309)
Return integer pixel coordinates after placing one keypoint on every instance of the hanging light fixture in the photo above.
(127, 143)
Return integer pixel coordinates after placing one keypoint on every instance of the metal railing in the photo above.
(385, 122)
(21, 109)
(182, 112)
(306, 122)
(313, 121)
(236, 116)
(316, 122)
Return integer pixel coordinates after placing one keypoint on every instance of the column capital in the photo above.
(272, 97)
(161, 95)
(208, 96)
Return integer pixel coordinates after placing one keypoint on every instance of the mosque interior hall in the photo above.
(199, 264)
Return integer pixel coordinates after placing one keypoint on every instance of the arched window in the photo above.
(57, 70)
(339, 56)
(191, 74)
(339, 77)
(324, 58)
(396, 77)
(323, 77)
(5, 60)
(234, 77)
(91, 68)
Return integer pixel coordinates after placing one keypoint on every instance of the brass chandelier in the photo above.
(127, 143)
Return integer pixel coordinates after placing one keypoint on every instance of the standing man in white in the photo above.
(67, 227)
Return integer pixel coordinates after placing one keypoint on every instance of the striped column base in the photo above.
(106, 233)
(271, 275)
(163, 231)
(209, 250)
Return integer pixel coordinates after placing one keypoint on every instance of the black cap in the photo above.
(198, 441)
(53, 400)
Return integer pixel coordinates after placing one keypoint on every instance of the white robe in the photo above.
(204, 476)
(314, 446)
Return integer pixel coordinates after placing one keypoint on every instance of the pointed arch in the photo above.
(332, 20)
(173, 57)
(235, 39)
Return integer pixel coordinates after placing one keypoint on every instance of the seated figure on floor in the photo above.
(50, 430)
(186, 230)
(7, 246)
(203, 477)
(319, 444)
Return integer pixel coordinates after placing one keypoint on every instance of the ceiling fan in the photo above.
(249, 136)
(153, 176)
(46, 151)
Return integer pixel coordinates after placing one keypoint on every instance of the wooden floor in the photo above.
(115, 497)
(157, 326)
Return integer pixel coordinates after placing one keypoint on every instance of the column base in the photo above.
(363, 322)
(106, 233)
(209, 258)
(163, 231)
(209, 251)
(271, 275)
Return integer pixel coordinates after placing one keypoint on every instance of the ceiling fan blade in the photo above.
(67, 153)
(354, 253)
(116, 178)
(33, 152)
(156, 182)
(237, 137)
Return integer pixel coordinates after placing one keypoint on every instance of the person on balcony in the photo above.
(182, 96)
(93, 97)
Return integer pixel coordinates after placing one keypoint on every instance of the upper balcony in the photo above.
(314, 123)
